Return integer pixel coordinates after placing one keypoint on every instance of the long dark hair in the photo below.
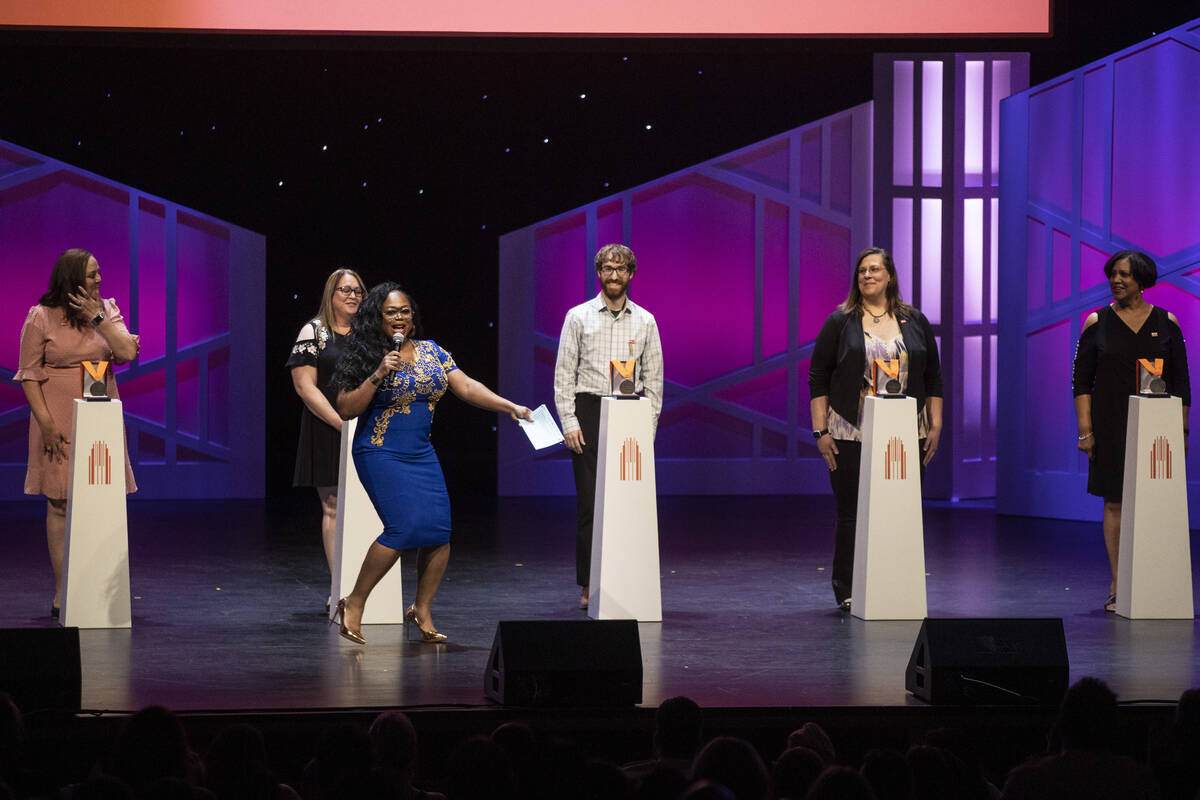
(69, 273)
(853, 302)
(367, 342)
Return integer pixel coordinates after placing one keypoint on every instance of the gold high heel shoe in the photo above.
(339, 617)
(411, 618)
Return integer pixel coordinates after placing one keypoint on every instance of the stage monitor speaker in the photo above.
(1002, 661)
(565, 663)
(39, 668)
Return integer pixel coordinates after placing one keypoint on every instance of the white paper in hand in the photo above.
(542, 430)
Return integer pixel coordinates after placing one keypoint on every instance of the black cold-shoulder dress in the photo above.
(1105, 367)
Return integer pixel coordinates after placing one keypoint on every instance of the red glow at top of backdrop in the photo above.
(544, 17)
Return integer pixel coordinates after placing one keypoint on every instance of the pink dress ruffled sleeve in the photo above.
(51, 354)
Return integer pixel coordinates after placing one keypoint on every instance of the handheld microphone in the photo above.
(397, 340)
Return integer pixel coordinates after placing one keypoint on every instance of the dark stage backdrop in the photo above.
(406, 158)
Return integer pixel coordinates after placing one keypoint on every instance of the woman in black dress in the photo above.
(312, 362)
(1105, 375)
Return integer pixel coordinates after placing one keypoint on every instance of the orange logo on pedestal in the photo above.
(895, 462)
(631, 460)
(1160, 459)
(99, 465)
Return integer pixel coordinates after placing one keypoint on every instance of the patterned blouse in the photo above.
(844, 429)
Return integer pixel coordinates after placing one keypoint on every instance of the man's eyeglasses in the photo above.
(346, 291)
(606, 270)
(395, 313)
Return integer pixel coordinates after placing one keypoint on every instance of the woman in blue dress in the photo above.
(390, 377)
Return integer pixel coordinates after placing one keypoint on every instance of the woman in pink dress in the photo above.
(69, 325)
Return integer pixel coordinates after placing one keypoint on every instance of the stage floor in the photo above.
(228, 603)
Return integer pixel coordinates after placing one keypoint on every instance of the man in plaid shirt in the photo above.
(609, 327)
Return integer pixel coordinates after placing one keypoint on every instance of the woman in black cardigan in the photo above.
(873, 322)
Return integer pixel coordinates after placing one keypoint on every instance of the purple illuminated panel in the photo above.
(1097, 110)
(1050, 161)
(192, 430)
(902, 123)
(740, 259)
(902, 243)
(1129, 122)
(1001, 88)
(1060, 260)
(994, 249)
(972, 421)
(775, 278)
(931, 259)
(1035, 263)
(973, 124)
(931, 123)
(943, 234)
(1049, 351)
(1156, 163)
(825, 251)
(973, 260)
(704, 230)
(1091, 266)
(610, 222)
(562, 271)
(767, 164)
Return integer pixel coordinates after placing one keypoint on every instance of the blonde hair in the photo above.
(325, 314)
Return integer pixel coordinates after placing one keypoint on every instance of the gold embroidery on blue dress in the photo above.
(428, 377)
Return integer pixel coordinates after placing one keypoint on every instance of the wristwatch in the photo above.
(820, 433)
(96, 320)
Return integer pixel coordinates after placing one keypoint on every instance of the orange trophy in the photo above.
(94, 377)
(885, 378)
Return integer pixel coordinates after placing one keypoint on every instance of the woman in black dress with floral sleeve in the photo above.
(1105, 375)
(314, 357)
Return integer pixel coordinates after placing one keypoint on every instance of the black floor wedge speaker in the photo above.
(39, 668)
(1004, 661)
(565, 663)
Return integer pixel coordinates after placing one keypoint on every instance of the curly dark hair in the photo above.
(68, 274)
(366, 343)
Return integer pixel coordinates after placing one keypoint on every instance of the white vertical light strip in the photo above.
(973, 260)
(931, 123)
(931, 258)
(994, 265)
(902, 245)
(973, 124)
(902, 123)
(1001, 88)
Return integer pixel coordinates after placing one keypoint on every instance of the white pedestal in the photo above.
(889, 541)
(357, 527)
(1154, 564)
(625, 579)
(96, 558)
